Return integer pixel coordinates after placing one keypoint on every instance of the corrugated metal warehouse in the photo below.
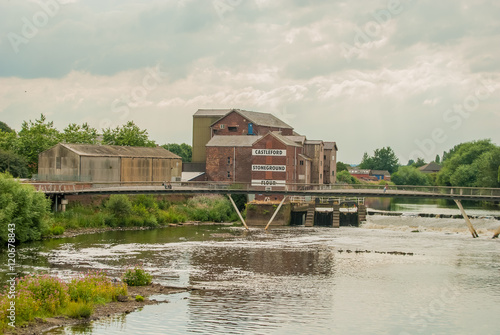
(108, 163)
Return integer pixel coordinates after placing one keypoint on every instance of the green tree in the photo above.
(185, 151)
(84, 134)
(345, 177)
(342, 167)
(478, 159)
(420, 162)
(8, 141)
(128, 135)
(409, 175)
(22, 207)
(34, 138)
(437, 160)
(4, 127)
(383, 159)
(14, 164)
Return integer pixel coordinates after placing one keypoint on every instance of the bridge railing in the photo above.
(71, 187)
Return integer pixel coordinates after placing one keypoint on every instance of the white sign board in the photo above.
(268, 152)
(274, 168)
(268, 183)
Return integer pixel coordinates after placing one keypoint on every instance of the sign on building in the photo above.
(273, 168)
(268, 152)
(268, 183)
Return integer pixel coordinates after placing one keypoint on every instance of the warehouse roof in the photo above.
(297, 139)
(285, 139)
(233, 141)
(211, 112)
(119, 151)
(260, 119)
(331, 146)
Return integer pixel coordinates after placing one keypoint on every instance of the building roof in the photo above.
(260, 119)
(431, 167)
(233, 141)
(119, 151)
(380, 172)
(285, 140)
(331, 146)
(305, 157)
(297, 139)
(211, 112)
(315, 142)
(188, 176)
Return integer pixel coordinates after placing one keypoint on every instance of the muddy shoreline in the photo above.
(40, 326)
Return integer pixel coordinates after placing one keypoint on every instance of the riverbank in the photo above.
(127, 305)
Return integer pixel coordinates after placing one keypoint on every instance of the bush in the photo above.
(137, 277)
(23, 209)
(119, 205)
(57, 230)
(79, 310)
(95, 287)
(49, 293)
(139, 298)
(209, 208)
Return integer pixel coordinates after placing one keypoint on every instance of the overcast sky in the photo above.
(419, 76)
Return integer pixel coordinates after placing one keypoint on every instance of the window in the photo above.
(228, 160)
(301, 163)
(232, 129)
(320, 176)
(58, 162)
(324, 157)
(222, 126)
(333, 173)
(228, 174)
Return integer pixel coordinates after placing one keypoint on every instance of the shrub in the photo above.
(119, 205)
(94, 287)
(57, 230)
(137, 277)
(50, 291)
(23, 207)
(139, 298)
(79, 309)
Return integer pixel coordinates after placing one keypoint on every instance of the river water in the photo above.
(393, 275)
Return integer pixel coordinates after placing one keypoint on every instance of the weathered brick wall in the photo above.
(241, 124)
(235, 160)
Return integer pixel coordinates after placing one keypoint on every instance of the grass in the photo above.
(143, 211)
(42, 295)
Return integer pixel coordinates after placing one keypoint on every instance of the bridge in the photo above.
(58, 190)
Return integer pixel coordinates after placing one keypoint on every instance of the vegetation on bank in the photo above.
(43, 296)
(29, 216)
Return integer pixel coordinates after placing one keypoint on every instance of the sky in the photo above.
(418, 76)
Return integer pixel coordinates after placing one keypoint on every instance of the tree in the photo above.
(129, 135)
(4, 127)
(8, 141)
(420, 162)
(14, 164)
(345, 177)
(437, 160)
(22, 207)
(34, 138)
(470, 164)
(84, 134)
(183, 150)
(383, 159)
(409, 175)
(342, 167)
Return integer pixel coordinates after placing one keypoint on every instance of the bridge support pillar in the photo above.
(469, 224)
(237, 211)
(275, 212)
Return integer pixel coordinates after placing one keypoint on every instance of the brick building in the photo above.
(260, 149)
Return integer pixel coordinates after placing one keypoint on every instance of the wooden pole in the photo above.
(275, 212)
(469, 224)
(238, 211)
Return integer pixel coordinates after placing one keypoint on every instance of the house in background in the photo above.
(432, 167)
(108, 163)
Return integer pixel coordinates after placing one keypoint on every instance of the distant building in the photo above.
(259, 149)
(381, 174)
(432, 167)
(108, 163)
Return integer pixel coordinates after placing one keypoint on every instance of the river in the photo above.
(393, 275)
